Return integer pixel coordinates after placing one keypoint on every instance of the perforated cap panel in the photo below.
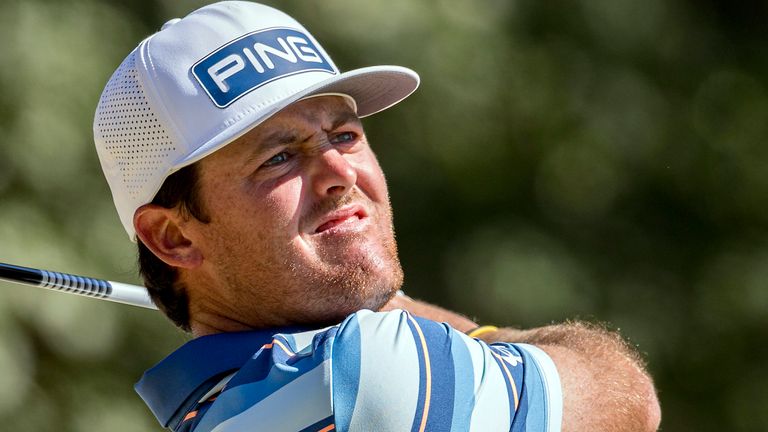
(129, 132)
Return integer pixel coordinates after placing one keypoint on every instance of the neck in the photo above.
(207, 323)
(209, 310)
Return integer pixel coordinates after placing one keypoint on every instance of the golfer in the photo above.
(237, 161)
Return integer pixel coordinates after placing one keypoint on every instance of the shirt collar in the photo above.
(167, 386)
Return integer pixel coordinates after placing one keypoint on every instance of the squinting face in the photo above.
(300, 227)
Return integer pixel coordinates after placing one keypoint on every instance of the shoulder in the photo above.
(394, 371)
(383, 371)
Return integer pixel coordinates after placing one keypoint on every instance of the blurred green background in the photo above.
(603, 160)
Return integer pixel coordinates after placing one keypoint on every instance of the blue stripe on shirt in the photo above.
(324, 423)
(251, 386)
(346, 380)
(464, 387)
(443, 387)
(512, 396)
(294, 406)
(424, 374)
(389, 376)
(542, 391)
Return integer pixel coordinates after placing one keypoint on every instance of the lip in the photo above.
(345, 218)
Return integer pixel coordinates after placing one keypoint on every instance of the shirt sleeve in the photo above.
(395, 372)
(385, 372)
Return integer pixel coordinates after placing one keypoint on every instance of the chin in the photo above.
(351, 273)
(376, 300)
(347, 295)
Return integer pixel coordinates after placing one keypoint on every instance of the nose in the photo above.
(332, 174)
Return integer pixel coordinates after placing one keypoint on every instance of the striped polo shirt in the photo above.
(376, 371)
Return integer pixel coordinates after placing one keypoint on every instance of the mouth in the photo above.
(345, 218)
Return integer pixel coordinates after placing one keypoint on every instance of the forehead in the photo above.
(313, 111)
(316, 112)
(314, 108)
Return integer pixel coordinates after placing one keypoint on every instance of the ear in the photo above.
(160, 229)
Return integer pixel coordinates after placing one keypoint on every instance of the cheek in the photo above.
(264, 209)
(370, 179)
(277, 205)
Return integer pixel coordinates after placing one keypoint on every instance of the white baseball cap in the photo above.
(206, 79)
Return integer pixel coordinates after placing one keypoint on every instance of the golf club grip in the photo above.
(80, 285)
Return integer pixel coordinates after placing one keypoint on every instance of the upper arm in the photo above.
(597, 368)
(391, 371)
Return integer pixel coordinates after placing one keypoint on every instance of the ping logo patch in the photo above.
(255, 59)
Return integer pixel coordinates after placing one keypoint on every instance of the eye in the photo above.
(344, 137)
(277, 159)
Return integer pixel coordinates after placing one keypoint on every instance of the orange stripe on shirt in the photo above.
(428, 370)
(327, 428)
(280, 344)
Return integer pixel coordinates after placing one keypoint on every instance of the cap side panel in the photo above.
(131, 139)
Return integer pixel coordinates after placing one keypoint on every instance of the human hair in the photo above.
(181, 191)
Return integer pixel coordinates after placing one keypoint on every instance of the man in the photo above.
(237, 160)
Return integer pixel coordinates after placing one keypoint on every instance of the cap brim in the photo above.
(374, 89)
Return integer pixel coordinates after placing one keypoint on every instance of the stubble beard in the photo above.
(282, 289)
(368, 281)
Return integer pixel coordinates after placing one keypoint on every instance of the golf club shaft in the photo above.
(80, 285)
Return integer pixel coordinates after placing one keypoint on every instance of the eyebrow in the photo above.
(273, 140)
(343, 118)
(281, 137)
